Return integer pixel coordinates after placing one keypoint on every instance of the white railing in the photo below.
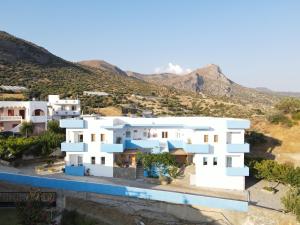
(68, 101)
(10, 118)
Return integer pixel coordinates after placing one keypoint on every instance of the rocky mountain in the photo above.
(210, 81)
(26, 64)
(101, 64)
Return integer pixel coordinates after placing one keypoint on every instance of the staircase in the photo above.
(139, 171)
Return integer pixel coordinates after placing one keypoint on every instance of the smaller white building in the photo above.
(63, 108)
(13, 113)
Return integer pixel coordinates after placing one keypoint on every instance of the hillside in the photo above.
(26, 64)
(105, 66)
(210, 81)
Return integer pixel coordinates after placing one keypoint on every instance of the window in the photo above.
(119, 140)
(205, 138)
(93, 137)
(102, 160)
(73, 107)
(79, 160)
(204, 161)
(228, 161)
(102, 137)
(10, 112)
(215, 161)
(93, 160)
(164, 134)
(216, 138)
(128, 134)
(80, 137)
(178, 134)
(145, 134)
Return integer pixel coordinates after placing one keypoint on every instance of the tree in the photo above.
(26, 128)
(289, 105)
(53, 126)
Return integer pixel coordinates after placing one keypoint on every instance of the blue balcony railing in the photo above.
(111, 148)
(75, 170)
(136, 144)
(196, 148)
(71, 123)
(72, 147)
(238, 148)
(174, 144)
(238, 124)
(237, 171)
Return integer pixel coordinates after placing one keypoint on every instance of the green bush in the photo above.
(296, 116)
(26, 128)
(280, 118)
(53, 126)
(288, 105)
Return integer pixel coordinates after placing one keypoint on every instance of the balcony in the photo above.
(111, 148)
(197, 148)
(238, 124)
(67, 102)
(238, 148)
(237, 171)
(174, 144)
(138, 144)
(39, 119)
(10, 118)
(75, 170)
(73, 147)
(71, 123)
(67, 113)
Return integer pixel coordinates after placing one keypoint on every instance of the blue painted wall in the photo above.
(125, 191)
(74, 170)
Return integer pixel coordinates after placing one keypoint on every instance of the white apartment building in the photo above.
(63, 108)
(98, 145)
(13, 113)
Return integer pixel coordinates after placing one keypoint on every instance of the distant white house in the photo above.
(13, 113)
(95, 93)
(63, 108)
(13, 88)
(214, 145)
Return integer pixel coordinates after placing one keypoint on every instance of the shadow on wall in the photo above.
(261, 145)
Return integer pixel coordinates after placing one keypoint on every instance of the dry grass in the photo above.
(4, 96)
(288, 150)
(109, 111)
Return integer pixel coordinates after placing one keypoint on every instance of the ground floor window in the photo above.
(93, 160)
(204, 161)
(215, 161)
(102, 160)
(228, 161)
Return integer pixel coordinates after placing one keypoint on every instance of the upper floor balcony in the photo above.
(67, 113)
(10, 118)
(71, 123)
(188, 147)
(238, 148)
(237, 171)
(73, 146)
(66, 102)
(112, 148)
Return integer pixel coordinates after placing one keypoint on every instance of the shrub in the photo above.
(280, 118)
(53, 126)
(26, 128)
(289, 105)
(296, 116)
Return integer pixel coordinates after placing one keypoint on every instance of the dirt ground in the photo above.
(283, 144)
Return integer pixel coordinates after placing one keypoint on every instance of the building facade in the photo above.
(99, 145)
(63, 108)
(13, 113)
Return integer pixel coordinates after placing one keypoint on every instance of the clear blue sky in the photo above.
(255, 42)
